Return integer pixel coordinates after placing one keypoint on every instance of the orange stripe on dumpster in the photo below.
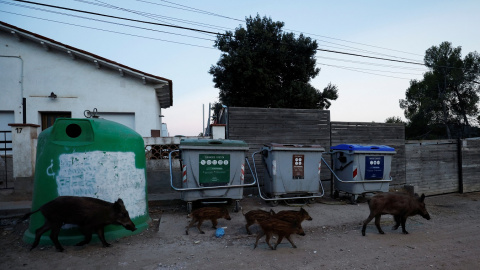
(242, 177)
(184, 173)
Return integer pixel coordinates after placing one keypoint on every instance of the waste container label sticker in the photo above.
(214, 168)
(374, 167)
(298, 166)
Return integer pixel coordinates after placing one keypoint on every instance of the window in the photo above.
(48, 118)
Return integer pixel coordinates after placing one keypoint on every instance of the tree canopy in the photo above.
(445, 103)
(263, 66)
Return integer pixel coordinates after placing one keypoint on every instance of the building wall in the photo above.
(78, 84)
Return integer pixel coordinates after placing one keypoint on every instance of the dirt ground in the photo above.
(450, 240)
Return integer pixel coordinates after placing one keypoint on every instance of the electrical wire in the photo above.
(110, 31)
(198, 30)
(116, 17)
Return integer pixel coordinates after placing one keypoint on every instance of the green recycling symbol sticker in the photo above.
(214, 168)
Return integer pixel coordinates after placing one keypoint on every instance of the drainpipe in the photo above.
(24, 100)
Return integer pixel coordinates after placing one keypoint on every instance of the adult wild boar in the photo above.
(400, 205)
(90, 214)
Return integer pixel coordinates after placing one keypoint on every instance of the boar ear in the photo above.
(118, 204)
(422, 198)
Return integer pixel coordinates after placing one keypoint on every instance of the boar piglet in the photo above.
(293, 216)
(279, 227)
(207, 213)
(400, 205)
(256, 216)
(90, 214)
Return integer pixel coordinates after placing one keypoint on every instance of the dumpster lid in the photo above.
(362, 148)
(294, 147)
(212, 144)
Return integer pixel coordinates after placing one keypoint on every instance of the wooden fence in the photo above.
(258, 126)
(432, 167)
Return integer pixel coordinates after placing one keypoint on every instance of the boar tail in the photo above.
(26, 216)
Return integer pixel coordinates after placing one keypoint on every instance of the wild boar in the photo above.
(400, 205)
(90, 214)
(293, 216)
(205, 213)
(256, 216)
(279, 227)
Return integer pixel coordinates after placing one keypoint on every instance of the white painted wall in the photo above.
(78, 84)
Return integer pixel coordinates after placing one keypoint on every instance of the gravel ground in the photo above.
(333, 241)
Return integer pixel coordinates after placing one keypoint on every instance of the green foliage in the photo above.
(447, 96)
(262, 66)
(394, 120)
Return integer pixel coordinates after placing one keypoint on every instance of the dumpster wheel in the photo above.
(237, 206)
(189, 207)
(274, 203)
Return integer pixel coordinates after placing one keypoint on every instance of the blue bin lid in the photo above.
(358, 147)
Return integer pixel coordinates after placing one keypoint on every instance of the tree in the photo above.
(447, 96)
(394, 120)
(262, 66)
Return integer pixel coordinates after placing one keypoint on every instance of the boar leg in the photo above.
(246, 227)
(190, 225)
(38, 234)
(88, 236)
(366, 221)
(198, 226)
(291, 241)
(54, 236)
(101, 235)
(214, 223)
(377, 223)
(404, 219)
(280, 238)
(267, 239)
(260, 234)
(397, 222)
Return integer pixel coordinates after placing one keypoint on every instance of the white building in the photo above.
(42, 79)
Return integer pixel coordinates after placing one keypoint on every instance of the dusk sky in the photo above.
(369, 89)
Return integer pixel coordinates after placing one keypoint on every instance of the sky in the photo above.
(369, 89)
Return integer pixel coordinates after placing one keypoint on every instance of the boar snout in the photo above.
(130, 226)
(426, 216)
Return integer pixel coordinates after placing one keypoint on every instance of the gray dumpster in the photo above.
(212, 170)
(292, 172)
(361, 169)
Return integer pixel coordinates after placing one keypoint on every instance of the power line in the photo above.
(103, 21)
(191, 9)
(376, 70)
(356, 70)
(371, 57)
(186, 28)
(116, 17)
(110, 31)
(372, 64)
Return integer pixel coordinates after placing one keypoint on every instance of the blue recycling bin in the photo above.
(361, 169)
